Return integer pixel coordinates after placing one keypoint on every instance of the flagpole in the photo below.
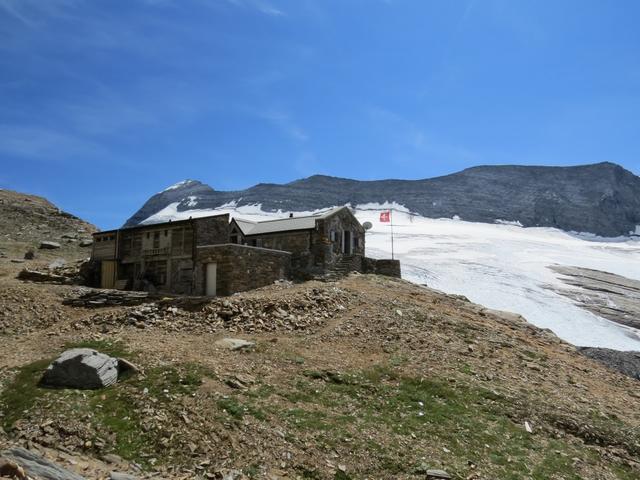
(391, 218)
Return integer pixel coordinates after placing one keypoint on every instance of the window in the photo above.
(234, 238)
(156, 240)
(166, 233)
(332, 235)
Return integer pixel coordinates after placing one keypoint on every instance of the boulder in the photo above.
(86, 242)
(82, 368)
(38, 467)
(234, 343)
(48, 245)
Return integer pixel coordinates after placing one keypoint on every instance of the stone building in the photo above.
(217, 255)
(319, 244)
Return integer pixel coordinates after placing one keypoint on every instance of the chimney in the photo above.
(291, 215)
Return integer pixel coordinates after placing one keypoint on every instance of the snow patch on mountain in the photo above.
(178, 185)
(500, 266)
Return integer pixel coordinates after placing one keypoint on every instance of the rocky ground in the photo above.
(608, 295)
(364, 378)
(368, 377)
(29, 223)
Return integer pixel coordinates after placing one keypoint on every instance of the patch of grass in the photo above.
(22, 393)
(263, 391)
(115, 412)
(164, 381)
(252, 471)
(112, 413)
(237, 410)
(466, 369)
(473, 424)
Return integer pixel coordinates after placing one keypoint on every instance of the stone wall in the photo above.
(294, 242)
(387, 267)
(240, 267)
(211, 230)
(298, 243)
(181, 275)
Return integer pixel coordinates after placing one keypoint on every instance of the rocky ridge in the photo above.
(602, 198)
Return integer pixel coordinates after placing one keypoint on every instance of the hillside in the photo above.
(603, 199)
(27, 220)
(367, 377)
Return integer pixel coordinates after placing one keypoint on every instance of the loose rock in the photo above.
(48, 245)
(433, 473)
(234, 343)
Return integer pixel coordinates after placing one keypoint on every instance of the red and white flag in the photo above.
(385, 216)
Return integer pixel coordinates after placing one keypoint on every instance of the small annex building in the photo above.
(220, 255)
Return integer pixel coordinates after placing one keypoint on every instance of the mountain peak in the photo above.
(182, 184)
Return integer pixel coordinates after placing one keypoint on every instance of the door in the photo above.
(346, 242)
(212, 271)
(108, 274)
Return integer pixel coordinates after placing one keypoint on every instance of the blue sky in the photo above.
(103, 103)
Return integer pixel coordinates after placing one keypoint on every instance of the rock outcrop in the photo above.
(608, 295)
(627, 363)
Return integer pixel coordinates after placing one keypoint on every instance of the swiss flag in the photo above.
(385, 216)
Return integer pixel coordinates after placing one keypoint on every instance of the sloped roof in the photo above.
(245, 225)
(283, 224)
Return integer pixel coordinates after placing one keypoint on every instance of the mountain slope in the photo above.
(602, 198)
(26, 220)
